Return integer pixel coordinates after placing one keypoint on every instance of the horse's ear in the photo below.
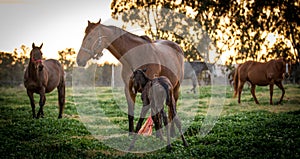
(99, 21)
(33, 45)
(41, 46)
(89, 22)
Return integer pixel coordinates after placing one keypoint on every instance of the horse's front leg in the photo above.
(280, 86)
(130, 98)
(139, 125)
(253, 93)
(144, 111)
(42, 102)
(271, 93)
(30, 95)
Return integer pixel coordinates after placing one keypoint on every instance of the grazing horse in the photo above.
(161, 57)
(42, 76)
(193, 69)
(261, 74)
(155, 92)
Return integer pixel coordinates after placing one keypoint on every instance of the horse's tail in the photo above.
(166, 87)
(236, 81)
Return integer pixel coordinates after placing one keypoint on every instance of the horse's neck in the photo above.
(121, 41)
(33, 73)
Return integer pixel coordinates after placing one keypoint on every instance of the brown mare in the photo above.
(155, 92)
(162, 57)
(261, 74)
(41, 77)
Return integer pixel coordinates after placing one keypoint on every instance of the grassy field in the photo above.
(243, 130)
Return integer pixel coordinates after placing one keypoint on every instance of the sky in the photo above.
(58, 24)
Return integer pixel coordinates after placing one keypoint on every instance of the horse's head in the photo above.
(92, 44)
(140, 79)
(288, 68)
(36, 56)
(212, 68)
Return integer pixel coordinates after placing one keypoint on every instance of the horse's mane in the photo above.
(145, 37)
(124, 32)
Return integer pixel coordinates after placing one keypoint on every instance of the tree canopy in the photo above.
(242, 30)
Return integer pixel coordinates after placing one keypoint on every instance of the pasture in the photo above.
(243, 130)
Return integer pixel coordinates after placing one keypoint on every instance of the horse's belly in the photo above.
(263, 84)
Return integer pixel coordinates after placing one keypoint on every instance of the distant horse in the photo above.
(261, 74)
(42, 77)
(189, 73)
(295, 74)
(155, 92)
(193, 69)
(161, 57)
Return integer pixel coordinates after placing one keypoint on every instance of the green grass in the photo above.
(243, 130)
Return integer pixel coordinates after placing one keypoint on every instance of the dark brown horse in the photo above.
(41, 77)
(162, 57)
(261, 74)
(155, 92)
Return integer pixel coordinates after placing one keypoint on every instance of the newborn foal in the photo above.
(154, 93)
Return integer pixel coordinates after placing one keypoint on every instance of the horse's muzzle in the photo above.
(40, 67)
(286, 75)
(81, 62)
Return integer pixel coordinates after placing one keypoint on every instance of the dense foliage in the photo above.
(241, 27)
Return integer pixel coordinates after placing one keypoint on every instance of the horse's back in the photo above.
(55, 74)
(259, 73)
(161, 90)
(171, 59)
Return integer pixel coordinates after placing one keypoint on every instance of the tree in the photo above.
(67, 58)
(12, 66)
(242, 27)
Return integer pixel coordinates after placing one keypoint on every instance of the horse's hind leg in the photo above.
(177, 121)
(253, 93)
(280, 86)
(240, 89)
(30, 95)
(176, 96)
(165, 120)
(61, 98)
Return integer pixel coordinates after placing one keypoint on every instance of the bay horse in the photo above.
(155, 92)
(161, 57)
(261, 74)
(43, 76)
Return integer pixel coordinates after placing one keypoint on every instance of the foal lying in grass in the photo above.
(154, 93)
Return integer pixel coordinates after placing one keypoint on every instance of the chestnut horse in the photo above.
(161, 57)
(42, 76)
(155, 92)
(261, 74)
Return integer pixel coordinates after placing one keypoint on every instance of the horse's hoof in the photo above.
(130, 147)
(185, 144)
(169, 148)
(130, 133)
